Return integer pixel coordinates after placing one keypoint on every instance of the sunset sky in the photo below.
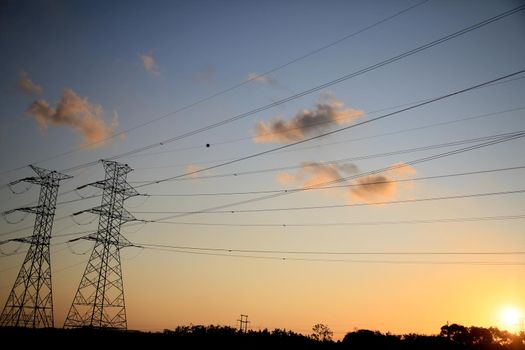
(174, 87)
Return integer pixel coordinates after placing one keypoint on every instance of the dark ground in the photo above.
(455, 337)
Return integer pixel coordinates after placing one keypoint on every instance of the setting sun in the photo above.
(510, 317)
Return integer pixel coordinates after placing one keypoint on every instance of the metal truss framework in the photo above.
(30, 303)
(99, 300)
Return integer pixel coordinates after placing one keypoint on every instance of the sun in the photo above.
(510, 317)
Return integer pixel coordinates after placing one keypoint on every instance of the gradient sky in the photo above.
(73, 73)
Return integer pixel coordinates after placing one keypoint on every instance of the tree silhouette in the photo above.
(321, 332)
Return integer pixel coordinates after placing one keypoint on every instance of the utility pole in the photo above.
(30, 303)
(99, 300)
(243, 323)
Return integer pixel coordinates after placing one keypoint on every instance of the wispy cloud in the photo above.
(262, 79)
(307, 122)
(313, 174)
(79, 114)
(149, 64)
(27, 85)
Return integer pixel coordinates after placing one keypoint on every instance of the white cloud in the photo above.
(263, 79)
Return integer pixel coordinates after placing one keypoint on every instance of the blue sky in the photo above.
(195, 49)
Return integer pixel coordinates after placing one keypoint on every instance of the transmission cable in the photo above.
(198, 194)
(310, 252)
(399, 111)
(224, 91)
(357, 223)
(320, 87)
(342, 160)
(343, 179)
(333, 206)
(361, 261)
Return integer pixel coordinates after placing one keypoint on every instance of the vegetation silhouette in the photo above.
(454, 336)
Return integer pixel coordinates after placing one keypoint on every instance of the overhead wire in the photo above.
(384, 116)
(371, 183)
(343, 179)
(288, 129)
(332, 206)
(315, 252)
(342, 160)
(321, 87)
(233, 87)
(360, 261)
(355, 223)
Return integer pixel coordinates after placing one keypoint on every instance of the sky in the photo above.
(183, 86)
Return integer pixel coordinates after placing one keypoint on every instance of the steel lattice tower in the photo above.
(30, 303)
(99, 300)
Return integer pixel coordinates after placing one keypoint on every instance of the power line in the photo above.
(285, 130)
(254, 155)
(334, 186)
(362, 223)
(333, 82)
(312, 252)
(325, 85)
(487, 171)
(327, 185)
(348, 159)
(231, 88)
(360, 261)
(29, 227)
(402, 201)
(343, 179)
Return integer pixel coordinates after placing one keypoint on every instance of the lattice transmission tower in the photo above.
(30, 303)
(99, 300)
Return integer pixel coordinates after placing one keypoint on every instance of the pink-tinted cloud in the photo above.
(377, 188)
(312, 174)
(190, 171)
(285, 178)
(27, 85)
(307, 122)
(374, 188)
(79, 114)
(149, 64)
(370, 189)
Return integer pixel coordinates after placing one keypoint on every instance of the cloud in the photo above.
(376, 188)
(308, 122)
(370, 189)
(83, 117)
(27, 85)
(402, 169)
(149, 63)
(262, 79)
(313, 174)
(285, 178)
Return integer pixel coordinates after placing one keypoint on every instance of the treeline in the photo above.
(453, 336)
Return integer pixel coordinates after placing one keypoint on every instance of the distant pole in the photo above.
(243, 323)
(30, 303)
